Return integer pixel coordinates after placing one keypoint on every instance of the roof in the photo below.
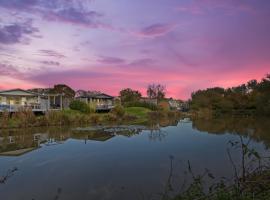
(92, 94)
(18, 92)
(44, 91)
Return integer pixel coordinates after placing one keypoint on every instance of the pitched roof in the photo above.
(18, 92)
(92, 94)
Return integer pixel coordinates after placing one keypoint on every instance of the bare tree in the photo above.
(156, 91)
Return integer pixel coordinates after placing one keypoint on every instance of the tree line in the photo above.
(252, 98)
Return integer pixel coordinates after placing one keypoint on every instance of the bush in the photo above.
(164, 106)
(92, 107)
(150, 106)
(129, 118)
(118, 111)
(25, 117)
(54, 117)
(95, 118)
(110, 117)
(83, 119)
(156, 115)
(4, 118)
(80, 106)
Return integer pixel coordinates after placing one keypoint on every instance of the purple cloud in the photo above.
(8, 70)
(45, 62)
(74, 12)
(111, 60)
(156, 30)
(71, 15)
(142, 62)
(51, 53)
(226, 6)
(17, 32)
(18, 4)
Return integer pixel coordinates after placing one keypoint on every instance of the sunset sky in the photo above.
(108, 45)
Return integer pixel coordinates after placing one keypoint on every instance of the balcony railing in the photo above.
(16, 108)
(104, 107)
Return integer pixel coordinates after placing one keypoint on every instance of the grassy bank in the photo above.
(130, 115)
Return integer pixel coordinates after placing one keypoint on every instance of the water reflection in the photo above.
(117, 162)
(17, 142)
(256, 128)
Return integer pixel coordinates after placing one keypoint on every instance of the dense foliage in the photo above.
(63, 89)
(250, 98)
(80, 106)
(118, 111)
(128, 95)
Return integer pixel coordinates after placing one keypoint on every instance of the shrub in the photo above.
(83, 119)
(128, 117)
(4, 118)
(118, 111)
(80, 106)
(92, 107)
(53, 117)
(58, 118)
(110, 117)
(164, 106)
(25, 117)
(95, 118)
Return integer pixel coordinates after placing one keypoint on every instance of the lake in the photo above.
(120, 162)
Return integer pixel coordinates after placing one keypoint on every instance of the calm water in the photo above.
(68, 163)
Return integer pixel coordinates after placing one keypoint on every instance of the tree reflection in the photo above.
(256, 128)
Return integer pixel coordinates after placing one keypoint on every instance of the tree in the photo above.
(129, 95)
(252, 84)
(63, 89)
(156, 91)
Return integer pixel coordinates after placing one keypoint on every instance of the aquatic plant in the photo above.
(251, 180)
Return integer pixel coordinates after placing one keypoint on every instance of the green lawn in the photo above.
(139, 112)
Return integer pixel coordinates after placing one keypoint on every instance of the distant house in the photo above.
(149, 100)
(18, 99)
(174, 104)
(59, 96)
(101, 101)
(55, 100)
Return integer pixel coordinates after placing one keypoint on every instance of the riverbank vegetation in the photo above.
(250, 178)
(252, 98)
(119, 114)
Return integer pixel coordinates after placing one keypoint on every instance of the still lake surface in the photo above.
(121, 162)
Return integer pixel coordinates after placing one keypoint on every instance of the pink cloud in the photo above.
(155, 30)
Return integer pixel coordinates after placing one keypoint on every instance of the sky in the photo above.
(108, 45)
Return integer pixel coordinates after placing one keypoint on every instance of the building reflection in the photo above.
(16, 142)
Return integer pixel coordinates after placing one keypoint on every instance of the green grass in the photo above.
(139, 112)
